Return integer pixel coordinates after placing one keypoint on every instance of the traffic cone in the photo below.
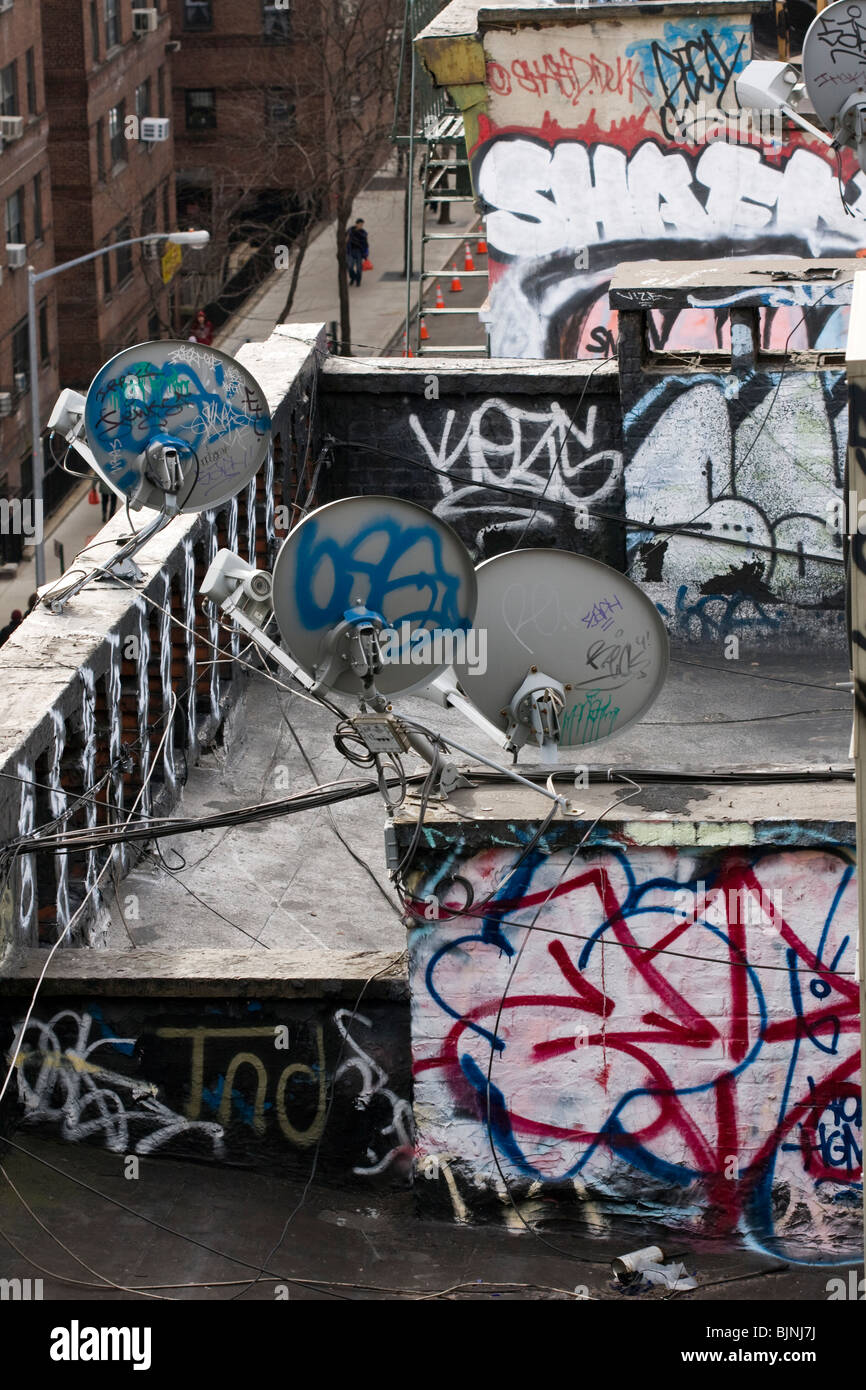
(407, 351)
(468, 263)
(440, 299)
(481, 247)
(456, 286)
(424, 334)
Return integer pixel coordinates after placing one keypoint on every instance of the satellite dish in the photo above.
(380, 563)
(176, 426)
(556, 620)
(834, 57)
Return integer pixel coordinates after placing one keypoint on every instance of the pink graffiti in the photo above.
(715, 1054)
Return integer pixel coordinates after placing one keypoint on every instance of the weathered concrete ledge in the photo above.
(208, 973)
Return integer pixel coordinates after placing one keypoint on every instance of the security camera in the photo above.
(67, 419)
(228, 572)
(67, 416)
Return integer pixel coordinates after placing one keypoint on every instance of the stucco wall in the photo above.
(678, 1043)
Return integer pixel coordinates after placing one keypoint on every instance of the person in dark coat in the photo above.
(357, 251)
(16, 618)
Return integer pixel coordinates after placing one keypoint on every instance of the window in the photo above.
(116, 119)
(142, 107)
(279, 112)
(166, 206)
(38, 227)
(148, 214)
(276, 21)
(14, 220)
(197, 14)
(9, 90)
(20, 349)
(112, 24)
(100, 150)
(44, 344)
(94, 30)
(154, 328)
(124, 254)
(142, 99)
(200, 108)
(106, 269)
(30, 68)
(160, 90)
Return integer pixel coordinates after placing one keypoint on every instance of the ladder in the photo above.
(444, 156)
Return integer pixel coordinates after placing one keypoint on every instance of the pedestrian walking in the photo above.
(16, 618)
(202, 329)
(357, 251)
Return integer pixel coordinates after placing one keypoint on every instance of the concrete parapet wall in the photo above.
(88, 712)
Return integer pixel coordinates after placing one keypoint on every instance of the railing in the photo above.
(105, 706)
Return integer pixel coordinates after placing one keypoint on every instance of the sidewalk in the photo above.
(74, 524)
(378, 311)
(378, 308)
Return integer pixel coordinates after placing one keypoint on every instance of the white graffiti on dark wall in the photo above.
(791, 462)
(27, 919)
(546, 202)
(537, 452)
(70, 1085)
(63, 1079)
(397, 1129)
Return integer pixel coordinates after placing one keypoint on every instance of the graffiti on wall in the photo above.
(582, 163)
(756, 459)
(213, 1090)
(564, 209)
(723, 1099)
(560, 467)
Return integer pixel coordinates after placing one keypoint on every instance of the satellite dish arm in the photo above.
(57, 602)
(445, 691)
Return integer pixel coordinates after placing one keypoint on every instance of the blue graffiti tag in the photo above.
(375, 566)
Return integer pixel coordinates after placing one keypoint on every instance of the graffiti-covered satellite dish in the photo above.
(376, 558)
(179, 420)
(834, 57)
(580, 623)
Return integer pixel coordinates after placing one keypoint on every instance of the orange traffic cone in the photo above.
(407, 351)
(481, 247)
(424, 334)
(440, 298)
(468, 263)
(456, 286)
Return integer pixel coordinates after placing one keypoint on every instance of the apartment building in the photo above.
(247, 95)
(111, 152)
(26, 206)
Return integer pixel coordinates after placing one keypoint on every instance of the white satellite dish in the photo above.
(176, 426)
(834, 58)
(172, 426)
(358, 582)
(576, 650)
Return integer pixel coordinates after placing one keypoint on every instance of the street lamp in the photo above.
(197, 240)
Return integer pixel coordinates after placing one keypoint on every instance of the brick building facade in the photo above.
(26, 205)
(245, 99)
(109, 184)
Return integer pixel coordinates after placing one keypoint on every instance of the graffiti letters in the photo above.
(620, 1063)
